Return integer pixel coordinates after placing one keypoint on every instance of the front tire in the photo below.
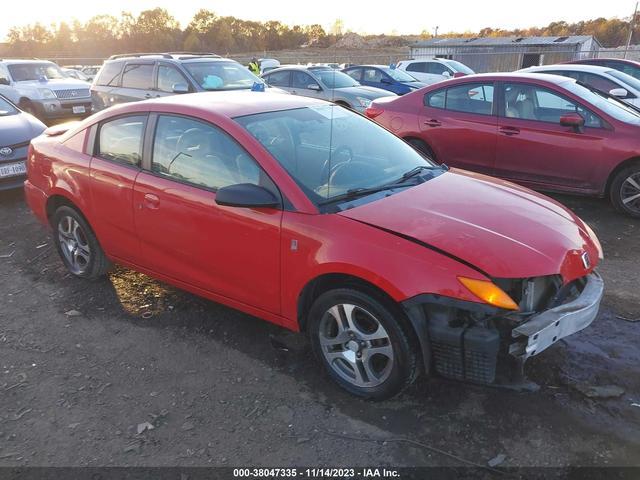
(77, 244)
(363, 342)
(625, 190)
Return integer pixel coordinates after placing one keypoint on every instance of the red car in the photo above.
(542, 131)
(312, 217)
(629, 67)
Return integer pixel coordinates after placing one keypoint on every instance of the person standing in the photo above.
(254, 66)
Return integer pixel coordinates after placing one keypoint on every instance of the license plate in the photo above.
(13, 169)
(78, 109)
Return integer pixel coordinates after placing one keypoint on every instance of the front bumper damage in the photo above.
(481, 344)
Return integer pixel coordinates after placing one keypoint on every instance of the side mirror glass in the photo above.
(446, 74)
(246, 195)
(180, 88)
(4, 81)
(573, 120)
(619, 92)
(385, 80)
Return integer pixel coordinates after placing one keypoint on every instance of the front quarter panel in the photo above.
(315, 245)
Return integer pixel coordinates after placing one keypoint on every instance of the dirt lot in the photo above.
(83, 364)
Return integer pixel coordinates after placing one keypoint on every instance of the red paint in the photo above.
(245, 258)
(541, 155)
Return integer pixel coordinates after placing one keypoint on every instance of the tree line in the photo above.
(157, 30)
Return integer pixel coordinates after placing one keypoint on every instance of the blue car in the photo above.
(381, 76)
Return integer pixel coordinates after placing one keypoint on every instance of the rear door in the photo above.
(459, 123)
(534, 149)
(115, 164)
(137, 82)
(185, 235)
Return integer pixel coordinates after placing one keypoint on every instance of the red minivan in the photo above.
(542, 131)
(311, 216)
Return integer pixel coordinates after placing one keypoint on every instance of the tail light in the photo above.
(373, 111)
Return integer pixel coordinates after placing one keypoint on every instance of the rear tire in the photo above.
(27, 106)
(364, 343)
(625, 190)
(77, 245)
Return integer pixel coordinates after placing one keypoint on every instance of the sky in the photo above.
(359, 16)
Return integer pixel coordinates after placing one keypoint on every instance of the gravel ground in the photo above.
(128, 371)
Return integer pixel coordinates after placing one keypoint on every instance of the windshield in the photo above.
(6, 108)
(459, 67)
(627, 79)
(399, 75)
(222, 75)
(35, 71)
(334, 79)
(329, 150)
(608, 104)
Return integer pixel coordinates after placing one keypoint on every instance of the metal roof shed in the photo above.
(506, 54)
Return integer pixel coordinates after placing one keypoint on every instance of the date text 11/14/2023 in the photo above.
(310, 473)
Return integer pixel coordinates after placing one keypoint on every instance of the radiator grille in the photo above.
(71, 94)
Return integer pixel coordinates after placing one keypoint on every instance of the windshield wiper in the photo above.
(415, 171)
(362, 192)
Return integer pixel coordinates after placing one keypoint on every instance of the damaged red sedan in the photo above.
(312, 217)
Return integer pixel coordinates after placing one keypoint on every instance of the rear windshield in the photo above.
(628, 79)
(109, 74)
(459, 67)
(399, 75)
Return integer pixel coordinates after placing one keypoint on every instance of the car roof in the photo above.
(572, 68)
(227, 104)
(172, 56)
(23, 61)
(509, 76)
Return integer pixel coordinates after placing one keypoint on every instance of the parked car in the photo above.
(310, 216)
(91, 71)
(268, 64)
(387, 78)
(434, 70)
(543, 131)
(132, 77)
(42, 89)
(74, 73)
(325, 83)
(623, 65)
(613, 82)
(16, 131)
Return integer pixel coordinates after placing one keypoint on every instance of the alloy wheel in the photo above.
(630, 192)
(356, 345)
(74, 245)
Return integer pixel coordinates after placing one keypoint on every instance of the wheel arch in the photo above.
(57, 200)
(618, 168)
(414, 138)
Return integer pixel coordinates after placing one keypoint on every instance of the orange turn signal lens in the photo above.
(489, 292)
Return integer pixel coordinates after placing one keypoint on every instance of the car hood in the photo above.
(18, 129)
(504, 230)
(366, 92)
(55, 84)
(415, 85)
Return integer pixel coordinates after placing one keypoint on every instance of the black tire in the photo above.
(27, 106)
(624, 186)
(385, 379)
(422, 147)
(90, 260)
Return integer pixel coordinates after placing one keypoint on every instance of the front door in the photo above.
(534, 149)
(459, 125)
(184, 234)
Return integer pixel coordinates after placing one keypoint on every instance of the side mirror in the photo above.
(314, 86)
(446, 73)
(459, 74)
(180, 88)
(385, 80)
(619, 92)
(246, 195)
(4, 81)
(573, 120)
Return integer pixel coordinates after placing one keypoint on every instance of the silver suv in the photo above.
(325, 83)
(41, 88)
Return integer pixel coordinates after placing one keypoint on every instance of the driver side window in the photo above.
(302, 80)
(200, 154)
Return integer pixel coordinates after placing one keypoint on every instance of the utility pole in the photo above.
(632, 25)
(435, 35)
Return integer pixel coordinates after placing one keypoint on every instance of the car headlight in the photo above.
(489, 292)
(46, 93)
(364, 102)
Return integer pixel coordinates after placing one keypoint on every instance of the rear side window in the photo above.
(468, 98)
(417, 67)
(109, 74)
(436, 68)
(121, 139)
(138, 76)
(278, 79)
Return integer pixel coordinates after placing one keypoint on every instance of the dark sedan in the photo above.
(17, 128)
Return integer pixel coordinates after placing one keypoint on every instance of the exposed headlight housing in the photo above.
(46, 93)
(364, 102)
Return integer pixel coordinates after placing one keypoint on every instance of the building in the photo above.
(506, 54)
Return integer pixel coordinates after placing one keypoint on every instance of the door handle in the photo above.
(432, 123)
(151, 201)
(148, 95)
(509, 131)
